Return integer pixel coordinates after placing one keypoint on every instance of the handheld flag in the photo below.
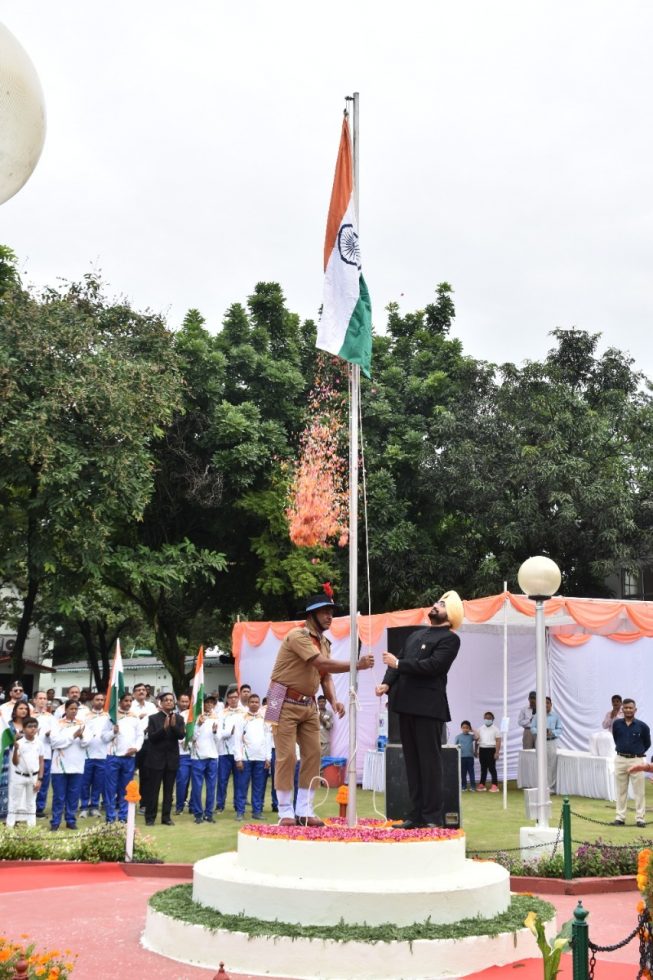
(197, 699)
(6, 736)
(116, 687)
(345, 326)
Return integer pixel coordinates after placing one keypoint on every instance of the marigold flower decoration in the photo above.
(49, 964)
(645, 886)
(317, 511)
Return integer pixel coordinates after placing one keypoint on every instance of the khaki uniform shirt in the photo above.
(292, 666)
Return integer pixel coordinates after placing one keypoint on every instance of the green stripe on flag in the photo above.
(6, 739)
(357, 345)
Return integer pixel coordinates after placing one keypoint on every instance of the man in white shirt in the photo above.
(73, 695)
(253, 749)
(142, 709)
(126, 740)
(227, 767)
(204, 761)
(617, 711)
(182, 781)
(524, 721)
(68, 758)
(16, 694)
(98, 738)
(45, 721)
(244, 693)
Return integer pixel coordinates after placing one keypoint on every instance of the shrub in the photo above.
(597, 859)
(103, 842)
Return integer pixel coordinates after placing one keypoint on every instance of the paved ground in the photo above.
(99, 913)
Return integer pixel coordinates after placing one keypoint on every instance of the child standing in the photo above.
(466, 740)
(26, 776)
(489, 746)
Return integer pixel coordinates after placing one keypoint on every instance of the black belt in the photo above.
(627, 755)
(19, 773)
(551, 738)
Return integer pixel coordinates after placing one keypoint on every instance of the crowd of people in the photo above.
(72, 749)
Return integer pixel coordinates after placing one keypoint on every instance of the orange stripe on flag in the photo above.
(343, 185)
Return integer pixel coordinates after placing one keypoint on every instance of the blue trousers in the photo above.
(119, 771)
(256, 774)
(181, 783)
(203, 771)
(467, 769)
(226, 768)
(93, 783)
(66, 788)
(42, 795)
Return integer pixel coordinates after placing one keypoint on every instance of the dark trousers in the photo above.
(467, 769)
(66, 788)
(203, 771)
(254, 773)
(487, 760)
(422, 745)
(153, 780)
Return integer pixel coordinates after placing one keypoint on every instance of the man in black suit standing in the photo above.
(164, 729)
(416, 684)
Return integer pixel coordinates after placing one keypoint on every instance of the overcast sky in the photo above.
(505, 147)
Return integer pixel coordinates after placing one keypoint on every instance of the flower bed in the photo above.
(104, 842)
(597, 859)
(337, 830)
(47, 965)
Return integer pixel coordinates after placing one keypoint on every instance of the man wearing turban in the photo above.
(416, 684)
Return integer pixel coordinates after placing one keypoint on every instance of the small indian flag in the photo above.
(197, 701)
(116, 687)
(345, 326)
(6, 736)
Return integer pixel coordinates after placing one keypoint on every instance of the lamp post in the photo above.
(22, 116)
(539, 578)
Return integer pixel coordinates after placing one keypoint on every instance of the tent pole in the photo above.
(505, 723)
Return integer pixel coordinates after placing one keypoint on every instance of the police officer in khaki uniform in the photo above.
(302, 664)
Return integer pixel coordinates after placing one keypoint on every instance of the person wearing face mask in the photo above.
(416, 684)
(489, 747)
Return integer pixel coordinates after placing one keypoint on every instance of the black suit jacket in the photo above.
(163, 743)
(418, 686)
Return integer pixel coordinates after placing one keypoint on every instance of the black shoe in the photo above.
(55, 828)
(168, 822)
(149, 823)
(618, 823)
(641, 823)
(407, 825)
(197, 820)
(209, 820)
(40, 815)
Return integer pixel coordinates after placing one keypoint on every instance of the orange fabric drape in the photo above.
(594, 615)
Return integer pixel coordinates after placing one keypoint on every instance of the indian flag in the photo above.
(345, 326)
(116, 687)
(6, 736)
(197, 699)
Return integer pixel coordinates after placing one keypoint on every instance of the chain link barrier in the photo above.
(643, 930)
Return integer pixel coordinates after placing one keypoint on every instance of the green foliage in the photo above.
(177, 903)
(594, 859)
(103, 842)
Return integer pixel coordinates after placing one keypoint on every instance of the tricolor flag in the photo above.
(345, 326)
(197, 700)
(116, 687)
(6, 736)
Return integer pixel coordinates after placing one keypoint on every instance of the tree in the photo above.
(85, 386)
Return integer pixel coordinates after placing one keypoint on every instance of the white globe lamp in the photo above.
(22, 116)
(539, 577)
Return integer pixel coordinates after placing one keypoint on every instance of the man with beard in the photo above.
(416, 682)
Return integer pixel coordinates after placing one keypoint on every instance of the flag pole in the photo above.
(354, 376)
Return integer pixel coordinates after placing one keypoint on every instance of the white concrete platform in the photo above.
(316, 959)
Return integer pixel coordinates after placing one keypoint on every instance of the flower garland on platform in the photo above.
(645, 886)
(317, 511)
(365, 831)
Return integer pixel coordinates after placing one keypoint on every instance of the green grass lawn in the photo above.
(487, 825)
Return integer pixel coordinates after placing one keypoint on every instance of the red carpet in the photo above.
(533, 970)
(25, 877)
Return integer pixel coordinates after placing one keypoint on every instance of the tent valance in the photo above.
(572, 620)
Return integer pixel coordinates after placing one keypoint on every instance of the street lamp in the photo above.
(539, 578)
(22, 116)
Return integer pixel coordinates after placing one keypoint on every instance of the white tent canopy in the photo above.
(595, 648)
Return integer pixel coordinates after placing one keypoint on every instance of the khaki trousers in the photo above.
(637, 781)
(298, 725)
